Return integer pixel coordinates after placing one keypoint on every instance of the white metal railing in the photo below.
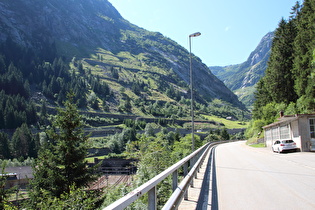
(178, 191)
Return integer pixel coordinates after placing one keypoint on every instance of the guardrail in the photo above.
(194, 160)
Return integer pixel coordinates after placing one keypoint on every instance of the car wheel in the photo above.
(273, 149)
(279, 151)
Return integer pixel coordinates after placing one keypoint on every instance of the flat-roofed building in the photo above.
(300, 128)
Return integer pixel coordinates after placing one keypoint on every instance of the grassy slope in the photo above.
(229, 124)
(130, 68)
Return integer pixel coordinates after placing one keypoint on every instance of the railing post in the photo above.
(152, 199)
(203, 159)
(199, 155)
(175, 180)
(192, 163)
(185, 174)
(195, 161)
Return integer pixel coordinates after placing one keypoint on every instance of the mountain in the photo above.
(96, 41)
(242, 78)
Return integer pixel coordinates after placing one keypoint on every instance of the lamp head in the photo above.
(195, 34)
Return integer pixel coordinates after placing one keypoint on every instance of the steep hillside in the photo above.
(242, 78)
(98, 37)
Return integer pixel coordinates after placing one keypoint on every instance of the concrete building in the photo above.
(300, 128)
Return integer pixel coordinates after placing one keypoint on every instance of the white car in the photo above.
(284, 145)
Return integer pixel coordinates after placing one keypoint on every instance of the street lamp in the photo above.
(191, 92)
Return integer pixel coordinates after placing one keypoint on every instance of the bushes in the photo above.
(16, 163)
(254, 128)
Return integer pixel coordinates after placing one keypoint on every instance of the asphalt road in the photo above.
(256, 178)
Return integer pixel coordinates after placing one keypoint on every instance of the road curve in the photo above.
(256, 178)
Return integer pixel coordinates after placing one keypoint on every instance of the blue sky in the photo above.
(230, 29)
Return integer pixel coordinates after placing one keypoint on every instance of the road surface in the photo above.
(256, 178)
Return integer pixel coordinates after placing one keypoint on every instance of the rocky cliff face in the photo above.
(242, 78)
(262, 49)
(82, 27)
(256, 64)
(76, 22)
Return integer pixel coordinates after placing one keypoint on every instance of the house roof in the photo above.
(287, 119)
(21, 172)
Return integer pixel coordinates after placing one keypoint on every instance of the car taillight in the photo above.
(294, 143)
(282, 145)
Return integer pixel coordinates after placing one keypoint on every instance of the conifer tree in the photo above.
(4, 146)
(280, 65)
(304, 45)
(262, 98)
(61, 163)
(23, 143)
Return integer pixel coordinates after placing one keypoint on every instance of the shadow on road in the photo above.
(209, 185)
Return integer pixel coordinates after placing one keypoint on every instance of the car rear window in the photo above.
(288, 141)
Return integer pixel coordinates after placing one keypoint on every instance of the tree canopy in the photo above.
(61, 162)
(288, 84)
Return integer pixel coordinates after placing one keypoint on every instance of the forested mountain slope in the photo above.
(107, 67)
(92, 36)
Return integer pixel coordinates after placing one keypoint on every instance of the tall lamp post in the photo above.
(191, 92)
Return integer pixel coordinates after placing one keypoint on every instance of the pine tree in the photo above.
(304, 45)
(295, 11)
(262, 97)
(224, 134)
(280, 65)
(4, 146)
(61, 163)
(23, 144)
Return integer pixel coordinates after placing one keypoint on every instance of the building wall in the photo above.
(299, 133)
(289, 130)
(305, 133)
(268, 138)
(295, 133)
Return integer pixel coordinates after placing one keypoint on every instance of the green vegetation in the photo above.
(5, 193)
(61, 166)
(246, 96)
(60, 174)
(288, 84)
(260, 145)
(136, 89)
(228, 124)
(22, 145)
(156, 152)
(15, 162)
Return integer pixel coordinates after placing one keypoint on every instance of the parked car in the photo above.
(284, 145)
